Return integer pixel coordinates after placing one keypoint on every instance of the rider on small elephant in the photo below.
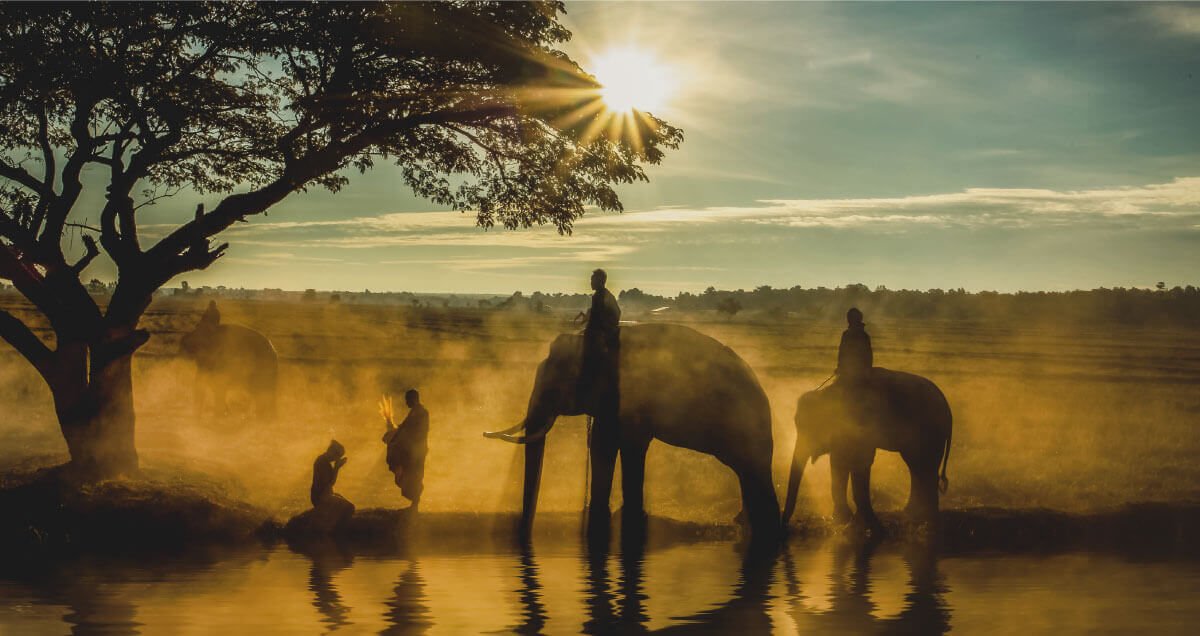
(597, 378)
(854, 353)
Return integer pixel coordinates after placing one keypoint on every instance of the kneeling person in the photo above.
(330, 508)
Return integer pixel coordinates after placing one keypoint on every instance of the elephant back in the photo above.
(235, 349)
(691, 390)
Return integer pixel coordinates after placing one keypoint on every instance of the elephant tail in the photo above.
(943, 483)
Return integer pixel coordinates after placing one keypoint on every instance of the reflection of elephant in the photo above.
(891, 410)
(851, 609)
(676, 385)
(232, 357)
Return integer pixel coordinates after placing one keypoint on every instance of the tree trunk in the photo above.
(98, 421)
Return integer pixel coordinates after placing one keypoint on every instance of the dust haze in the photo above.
(1045, 415)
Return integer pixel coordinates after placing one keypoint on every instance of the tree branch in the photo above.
(21, 176)
(22, 338)
(92, 252)
(51, 237)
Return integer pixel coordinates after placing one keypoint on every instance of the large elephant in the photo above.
(890, 410)
(675, 385)
(232, 357)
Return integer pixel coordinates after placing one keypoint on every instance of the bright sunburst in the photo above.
(632, 79)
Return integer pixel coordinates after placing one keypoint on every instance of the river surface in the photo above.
(813, 586)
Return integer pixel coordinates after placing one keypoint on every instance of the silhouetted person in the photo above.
(325, 471)
(854, 353)
(330, 509)
(598, 375)
(407, 446)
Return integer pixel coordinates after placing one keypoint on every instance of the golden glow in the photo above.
(632, 79)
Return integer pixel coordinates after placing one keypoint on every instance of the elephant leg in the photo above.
(605, 443)
(760, 506)
(860, 483)
(914, 482)
(839, 474)
(633, 480)
(924, 499)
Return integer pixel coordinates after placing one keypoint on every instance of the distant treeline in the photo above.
(1177, 306)
(1160, 306)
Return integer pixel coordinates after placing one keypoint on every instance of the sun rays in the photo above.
(629, 85)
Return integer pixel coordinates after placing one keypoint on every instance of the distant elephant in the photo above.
(232, 357)
(675, 385)
(891, 410)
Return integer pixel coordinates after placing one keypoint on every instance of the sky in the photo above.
(985, 146)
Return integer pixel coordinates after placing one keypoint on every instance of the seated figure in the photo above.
(329, 508)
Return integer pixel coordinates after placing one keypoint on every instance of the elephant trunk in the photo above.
(799, 461)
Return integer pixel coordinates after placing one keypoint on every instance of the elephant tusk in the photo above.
(506, 434)
(523, 439)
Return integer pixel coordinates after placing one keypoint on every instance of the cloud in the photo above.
(608, 236)
(1178, 19)
(1174, 205)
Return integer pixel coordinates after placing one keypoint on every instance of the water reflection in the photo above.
(530, 595)
(327, 560)
(849, 601)
(407, 612)
(839, 586)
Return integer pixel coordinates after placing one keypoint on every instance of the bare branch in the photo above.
(92, 252)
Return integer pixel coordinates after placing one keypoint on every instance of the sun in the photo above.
(632, 79)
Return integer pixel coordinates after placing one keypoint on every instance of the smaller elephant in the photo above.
(232, 357)
(889, 410)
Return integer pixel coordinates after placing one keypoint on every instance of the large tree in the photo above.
(474, 104)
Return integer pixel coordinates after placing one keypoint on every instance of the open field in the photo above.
(1055, 416)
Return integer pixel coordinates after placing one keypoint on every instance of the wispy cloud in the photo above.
(1178, 19)
(1174, 205)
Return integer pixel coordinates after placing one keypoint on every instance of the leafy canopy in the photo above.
(472, 101)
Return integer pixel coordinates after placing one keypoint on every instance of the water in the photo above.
(829, 586)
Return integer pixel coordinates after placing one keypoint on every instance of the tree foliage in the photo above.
(473, 102)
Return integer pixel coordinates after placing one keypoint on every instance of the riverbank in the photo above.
(45, 513)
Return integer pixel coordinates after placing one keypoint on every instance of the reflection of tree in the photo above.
(407, 612)
(328, 560)
(96, 590)
(95, 610)
(851, 609)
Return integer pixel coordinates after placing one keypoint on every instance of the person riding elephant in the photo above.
(855, 358)
(231, 357)
(598, 376)
(677, 386)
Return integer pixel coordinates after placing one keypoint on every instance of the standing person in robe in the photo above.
(407, 446)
